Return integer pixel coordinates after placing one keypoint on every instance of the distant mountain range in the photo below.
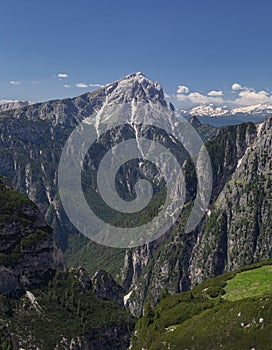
(210, 110)
(212, 114)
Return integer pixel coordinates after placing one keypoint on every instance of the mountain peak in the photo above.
(131, 89)
(135, 87)
(135, 75)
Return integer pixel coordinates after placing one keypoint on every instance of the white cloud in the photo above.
(62, 75)
(14, 82)
(198, 98)
(92, 85)
(249, 97)
(237, 87)
(82, 85)
(67, 86)
(96, 85)
(182, 89)
(34, 82)
(215, 93)
(244, 96)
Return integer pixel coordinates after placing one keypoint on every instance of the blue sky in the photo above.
(198, 47)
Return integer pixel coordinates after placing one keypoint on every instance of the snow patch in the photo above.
(239, 162)
(126, 297)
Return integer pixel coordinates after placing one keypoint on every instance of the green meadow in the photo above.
(249, 284)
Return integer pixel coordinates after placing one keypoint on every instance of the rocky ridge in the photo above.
(6, 105)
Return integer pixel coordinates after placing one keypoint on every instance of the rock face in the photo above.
(28, 254)
(239, 228)
(236, 230)
(110, 338)
(171, 260)
(105, 287)
(102, 285)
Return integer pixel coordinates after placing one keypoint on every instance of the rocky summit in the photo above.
(32, 137)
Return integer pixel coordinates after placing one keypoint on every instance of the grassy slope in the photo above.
(249, 284)
(239, 319)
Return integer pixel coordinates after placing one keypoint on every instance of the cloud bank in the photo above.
(247, 98)
(236, 95)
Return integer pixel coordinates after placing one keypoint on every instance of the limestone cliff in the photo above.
(28, 254)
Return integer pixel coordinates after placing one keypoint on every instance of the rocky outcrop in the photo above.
(28, 254)
(110, 338)
(6, 105)
(105, 287)
(83, 277)
(101, 284)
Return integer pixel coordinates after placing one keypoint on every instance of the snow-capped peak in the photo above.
(207, 110)
(133, 99)
(134, 86)
(210, 110)
(259, 108)
(136, 75)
